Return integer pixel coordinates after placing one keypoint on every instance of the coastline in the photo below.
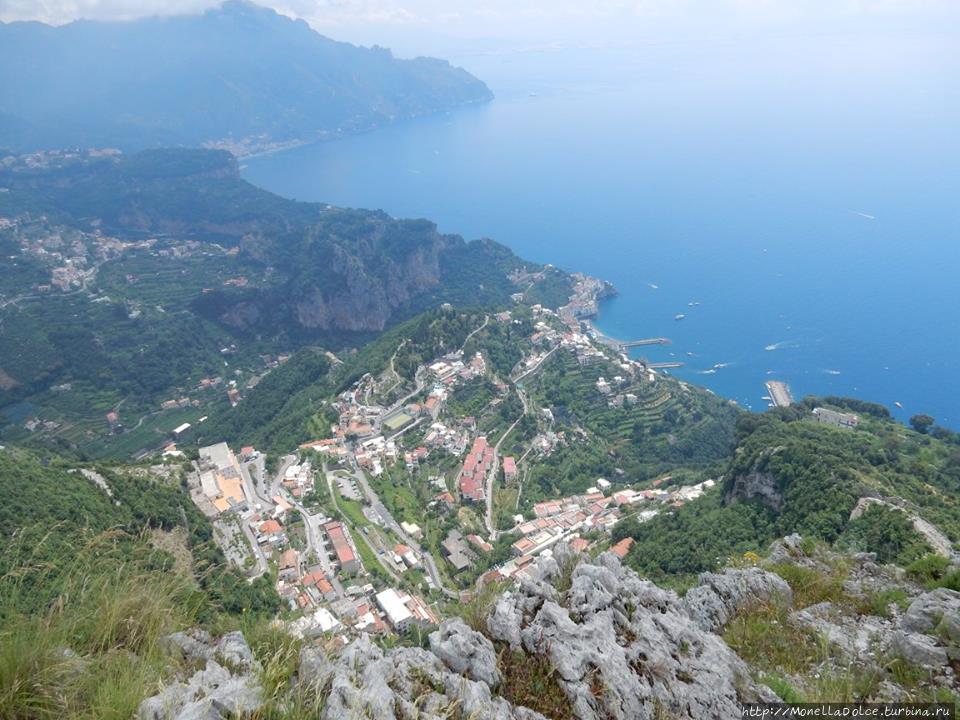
(583, 307)
(243, 151)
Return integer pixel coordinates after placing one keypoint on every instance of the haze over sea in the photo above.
(805, 193)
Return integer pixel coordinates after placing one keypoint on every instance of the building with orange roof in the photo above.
(346, 557)
(289, 559)
(622, 548)
(579, 545)
(270, 527)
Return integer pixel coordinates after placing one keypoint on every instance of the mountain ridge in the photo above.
(241, 76)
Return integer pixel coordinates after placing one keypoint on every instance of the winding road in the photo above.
(492, 474)
(394, 526)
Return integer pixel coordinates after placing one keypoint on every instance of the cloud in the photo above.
(432, 11)
(534, 20)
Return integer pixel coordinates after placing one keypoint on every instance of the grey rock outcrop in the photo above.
(856, 636)
(214, 692)
(623, 647)
(466, 651)
(618, 647)
(918, 649)
(935, 612)
(194, 645)
(757, 484)
(232, 650)
(929, 631)
(785, 550)
(719, 597)
(405, 683)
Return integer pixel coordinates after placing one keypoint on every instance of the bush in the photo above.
(929, 569)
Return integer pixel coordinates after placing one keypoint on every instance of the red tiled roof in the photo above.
(622, 548)
(338, 538)
(270, 527)
(579, 544)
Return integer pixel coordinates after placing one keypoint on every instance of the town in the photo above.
(319, 520)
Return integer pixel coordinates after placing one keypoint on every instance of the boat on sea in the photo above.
(679, 316)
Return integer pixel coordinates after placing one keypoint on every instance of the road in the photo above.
(538, 365)
(311, 524)
(285, 462)
(262, 565)
(420, 384)
(392, 370)
(394, 526)
(486, 320)
(492, 474)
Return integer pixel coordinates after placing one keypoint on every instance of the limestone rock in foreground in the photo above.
(214, 692)
(719, 597)
(466, 651)
(614, 647)
(623, 647)
(364, 681)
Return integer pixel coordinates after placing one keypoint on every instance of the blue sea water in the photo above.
(805, 193)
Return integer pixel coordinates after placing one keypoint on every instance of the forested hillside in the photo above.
(130, 280)
(111, 516)
(790, 474)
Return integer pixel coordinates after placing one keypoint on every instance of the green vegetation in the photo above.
(811, 586)
(223, 274)
(532, 681)
(698, 537)
(471, 398)
(887, 532)
(52, 513)
(766, 640)
(668, 426)
(932, 571)
(812, 476)
(95, 652)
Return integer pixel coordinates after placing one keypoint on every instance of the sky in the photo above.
(412, 26)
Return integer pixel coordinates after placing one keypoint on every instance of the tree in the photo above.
(921, 423)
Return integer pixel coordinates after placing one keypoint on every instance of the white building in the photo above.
(395, 609)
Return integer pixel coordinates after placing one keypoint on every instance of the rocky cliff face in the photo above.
(585, 639)
(756, 484)
(313, 269)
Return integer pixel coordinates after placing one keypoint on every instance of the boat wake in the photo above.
(783, 345)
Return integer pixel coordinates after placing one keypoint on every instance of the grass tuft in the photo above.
(94, 652)
(811, 586)
(531, 681)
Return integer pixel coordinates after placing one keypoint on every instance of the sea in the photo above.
(784, 209)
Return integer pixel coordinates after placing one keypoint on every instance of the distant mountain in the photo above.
(241, 75)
